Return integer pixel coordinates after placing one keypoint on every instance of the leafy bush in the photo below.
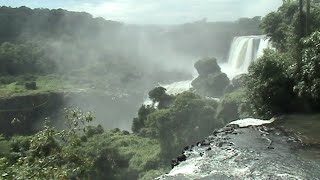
(139, 122)
(30, 85)
(7, 80)
(277, 83)
(234, 106)
(308, 86)
(188, 119)
(4, 147)
(269, 84)
(92, 130)
(80, 151)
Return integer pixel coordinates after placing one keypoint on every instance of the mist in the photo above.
(111, 66)
(113, 57)
(124, 64)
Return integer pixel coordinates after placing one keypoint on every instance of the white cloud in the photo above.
(178, 11)
(161, 11)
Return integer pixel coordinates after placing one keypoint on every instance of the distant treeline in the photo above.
(43, 41)
(24, 23)
(199, 38)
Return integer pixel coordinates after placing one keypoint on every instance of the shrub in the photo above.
(188, 119)
(4, 146)
(60, 154)
(30, 85)
(7, 80)
(139, 122)
(92, 130)
(270, 85)
(233, 106)
(308, 86)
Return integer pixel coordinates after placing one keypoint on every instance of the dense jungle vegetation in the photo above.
(285, 80)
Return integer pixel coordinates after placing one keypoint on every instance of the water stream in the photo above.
(243, 51)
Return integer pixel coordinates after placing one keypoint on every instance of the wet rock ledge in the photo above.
(242, 151)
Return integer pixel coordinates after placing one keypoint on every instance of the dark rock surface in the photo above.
(236, 83)
(254, 152)
(20, 114)
(211, 81)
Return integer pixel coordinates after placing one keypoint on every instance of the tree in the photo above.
(186, 120)
(269, 84)
(159, 95)
(308, 86)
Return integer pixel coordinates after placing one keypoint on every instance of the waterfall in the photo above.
(264, 43)
(243, 51)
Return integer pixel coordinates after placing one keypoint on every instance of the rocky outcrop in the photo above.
(236, 83)
(241, 151)
(211, 81)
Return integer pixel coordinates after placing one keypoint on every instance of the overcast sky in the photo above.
(158, 11)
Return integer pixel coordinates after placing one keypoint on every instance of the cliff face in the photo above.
(26, 114)
(22, 113)
(267, 151)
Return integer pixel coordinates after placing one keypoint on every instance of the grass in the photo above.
(139, 150)
(45, 84)
(141, 154)
(11, 86)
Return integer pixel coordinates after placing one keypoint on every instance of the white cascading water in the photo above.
(174, 88)
(264, 44)
(243, 51)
